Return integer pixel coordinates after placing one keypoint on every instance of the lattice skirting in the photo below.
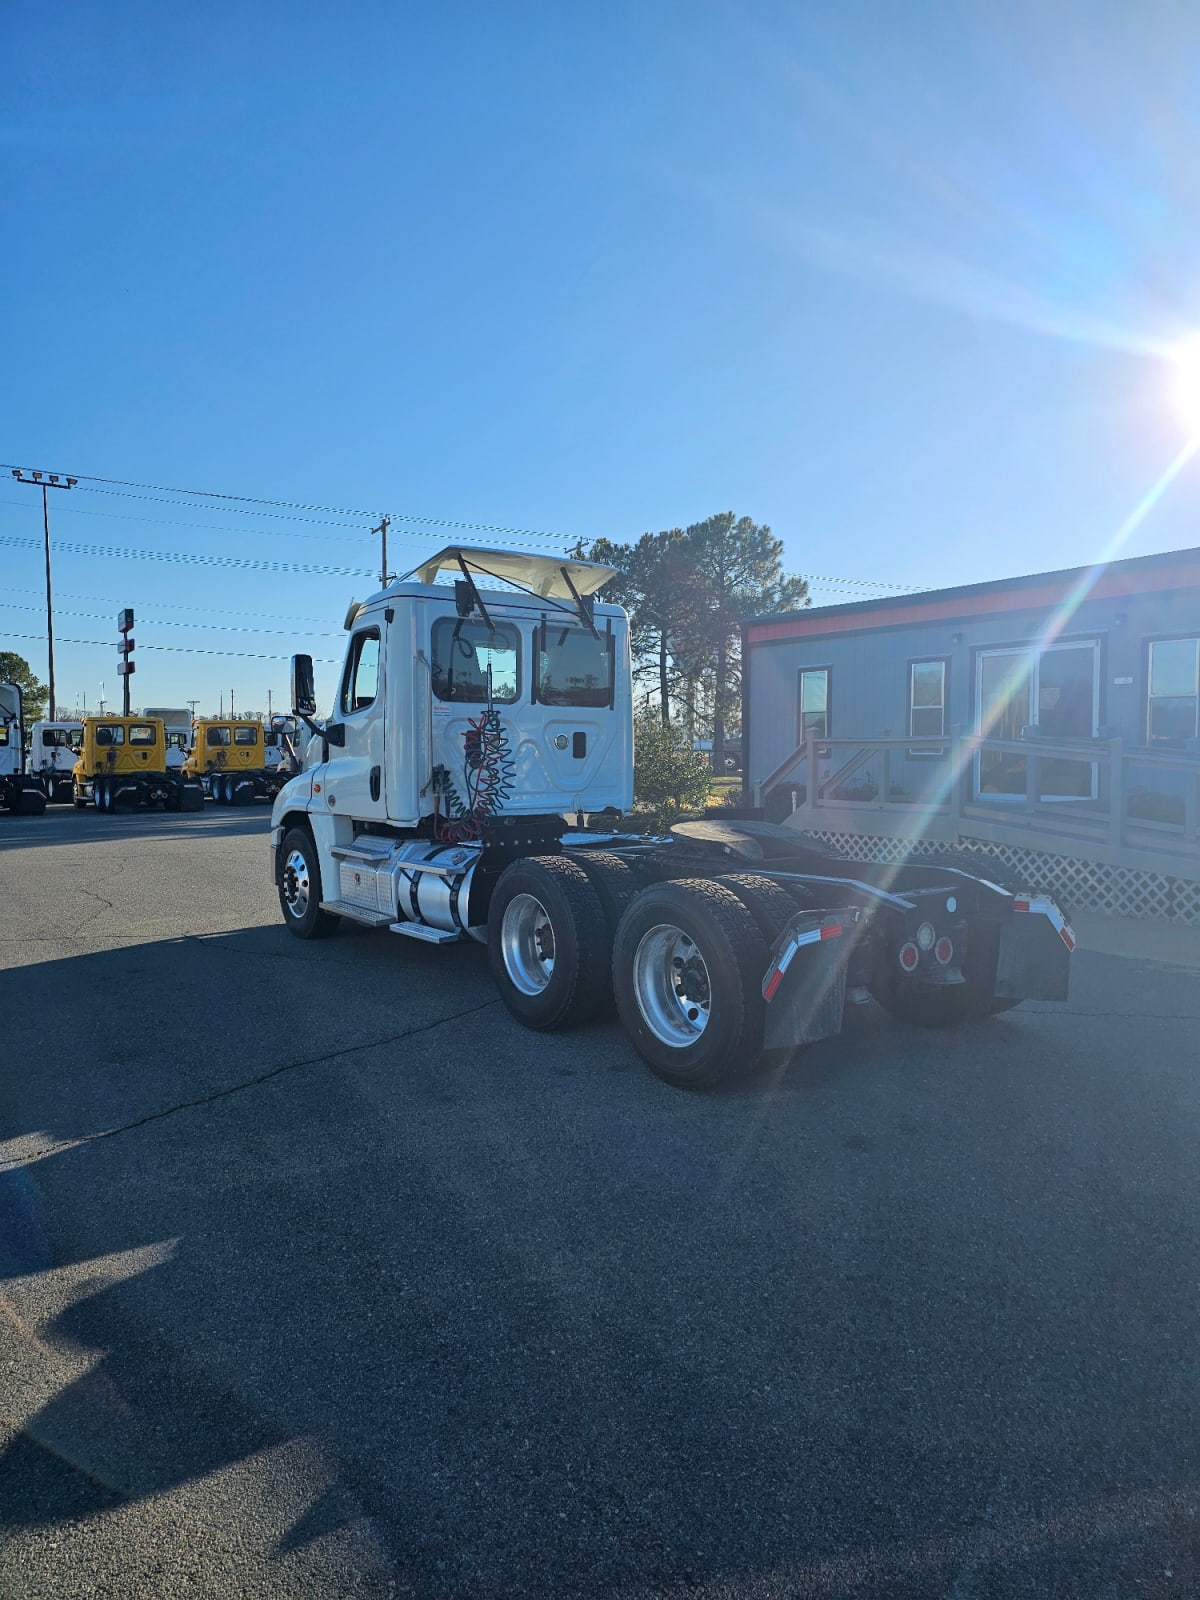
(1080, 885)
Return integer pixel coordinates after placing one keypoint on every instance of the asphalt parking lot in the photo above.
(319, 1277)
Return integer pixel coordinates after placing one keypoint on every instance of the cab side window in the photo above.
(361, 682)
(216, 736)
(245, 736)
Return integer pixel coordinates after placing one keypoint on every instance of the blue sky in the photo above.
(899, 280)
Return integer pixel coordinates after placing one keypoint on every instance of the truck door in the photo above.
(356, 774)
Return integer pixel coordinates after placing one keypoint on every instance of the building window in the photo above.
(813, 702)
(926, 702)
(362, 673)
(1174, 692)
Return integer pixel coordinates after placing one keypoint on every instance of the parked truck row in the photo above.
(159, 757)
(474, 717)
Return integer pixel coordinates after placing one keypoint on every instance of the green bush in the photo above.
(669, 777)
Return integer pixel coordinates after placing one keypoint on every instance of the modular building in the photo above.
(1051, 722)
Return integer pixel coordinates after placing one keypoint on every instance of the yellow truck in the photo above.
(123, 762)
(231, 759)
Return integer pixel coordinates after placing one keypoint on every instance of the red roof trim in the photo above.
(1111, 585)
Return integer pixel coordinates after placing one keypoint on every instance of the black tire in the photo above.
(932, 1005)
(769, 903)
(711, 920)
(300, 888)
(101, 795)
(544, 910)
(78, 800)
(191, 795)
(617, 886)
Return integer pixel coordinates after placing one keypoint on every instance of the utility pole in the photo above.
(44, 481)
(384, 525)
(231, 702)
(268, 708)
(193, 704)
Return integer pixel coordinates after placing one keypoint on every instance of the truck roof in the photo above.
(545, 576)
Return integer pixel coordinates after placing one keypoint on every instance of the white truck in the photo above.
(177, 726)
(19, 790)
(472, 720)
(53, 751)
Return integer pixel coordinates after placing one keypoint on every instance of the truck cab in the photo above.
(517, 646)
(19, 790)
(123, 761)
(229, 757)
(53, 751)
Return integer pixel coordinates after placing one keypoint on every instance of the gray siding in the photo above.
(869, 668)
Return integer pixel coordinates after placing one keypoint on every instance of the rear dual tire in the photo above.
(688, 963)
(548, 943)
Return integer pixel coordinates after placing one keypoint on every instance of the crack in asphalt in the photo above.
(238, 1088)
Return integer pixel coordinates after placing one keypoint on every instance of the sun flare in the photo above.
(1187, 383)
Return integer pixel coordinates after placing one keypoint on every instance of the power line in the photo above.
(202, 527)
(152, 493)
(193, 558)
(114, 485)
(208, 627)
(163, 605)
(185, 650)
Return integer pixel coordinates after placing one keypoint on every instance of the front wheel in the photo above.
(546, 943)
(688, 965)
(300, 888)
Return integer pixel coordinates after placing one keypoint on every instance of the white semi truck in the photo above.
(473, 719)
(19, 790)
(53, 752)
(177, 729)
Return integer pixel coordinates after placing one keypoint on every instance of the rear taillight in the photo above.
(943, 952)
(908, 957)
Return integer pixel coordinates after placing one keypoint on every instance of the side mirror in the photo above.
(304, 691)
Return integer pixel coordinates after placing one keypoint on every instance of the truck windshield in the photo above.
(574, 668)
(462, 653)
(62, 738)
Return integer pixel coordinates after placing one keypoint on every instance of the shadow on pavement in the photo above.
(876, 1329)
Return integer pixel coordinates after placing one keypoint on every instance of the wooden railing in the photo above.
(849, 785)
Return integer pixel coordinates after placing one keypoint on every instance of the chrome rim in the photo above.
(527, 944)
(296, 883)
(671, 985)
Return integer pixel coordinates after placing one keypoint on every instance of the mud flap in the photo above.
(1034, 958)
(804, 988)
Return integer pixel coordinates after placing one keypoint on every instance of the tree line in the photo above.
(688, 591)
